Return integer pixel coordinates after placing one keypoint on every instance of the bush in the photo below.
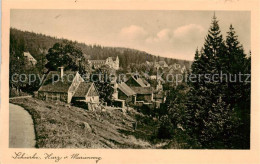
(165, 130)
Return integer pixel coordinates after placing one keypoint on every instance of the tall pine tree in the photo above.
(212, 119)
(238, 92)
(234, 63)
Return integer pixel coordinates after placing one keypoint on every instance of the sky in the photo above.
(174, 34)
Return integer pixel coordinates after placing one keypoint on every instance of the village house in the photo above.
(176, 68)
(86, 92)
(60, 85)
(123, 94)
(137, 81)
(138, 91)
(109, 62)
(144, 94)
(30, 58)
(160, 64)
(126, 93)
(143, 90)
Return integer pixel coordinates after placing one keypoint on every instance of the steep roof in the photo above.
(97, 61)
(126, 89)
(112, 58)
(145, 82)
(143, 90)
(83, 89)
(28, 55)
(53, 82)
(140, 81)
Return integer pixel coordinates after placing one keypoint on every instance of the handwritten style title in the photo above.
(52, 156)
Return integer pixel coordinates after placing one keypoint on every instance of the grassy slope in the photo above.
(59, 126)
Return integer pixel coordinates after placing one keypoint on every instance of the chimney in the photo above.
(61, 71)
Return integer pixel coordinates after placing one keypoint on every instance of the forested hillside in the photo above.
(36, 43)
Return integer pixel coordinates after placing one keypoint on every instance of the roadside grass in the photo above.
(58, 125)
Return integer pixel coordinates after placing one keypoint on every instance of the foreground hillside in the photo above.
(59, 125)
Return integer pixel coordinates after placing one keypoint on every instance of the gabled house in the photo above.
(137, 81)
(30, 58)
(143, 90)
(126, 93)
(87, 92)
(60, 85)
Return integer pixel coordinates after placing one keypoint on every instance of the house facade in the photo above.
(144, 94)
(87, 92)
(160, 64)
(142, 89)
(139, 92)
(60, 85)
(30, 58)
(109, 62)
(126, 93)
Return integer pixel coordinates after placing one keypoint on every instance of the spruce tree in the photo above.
(213, 48)
(195, 67)
(212, 117)
(238, 92)
(234, 63)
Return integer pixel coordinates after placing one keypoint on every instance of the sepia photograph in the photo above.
(129, 79)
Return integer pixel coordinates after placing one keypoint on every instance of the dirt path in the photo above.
(21, 130)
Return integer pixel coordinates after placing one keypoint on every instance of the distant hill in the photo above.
(35, 43)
